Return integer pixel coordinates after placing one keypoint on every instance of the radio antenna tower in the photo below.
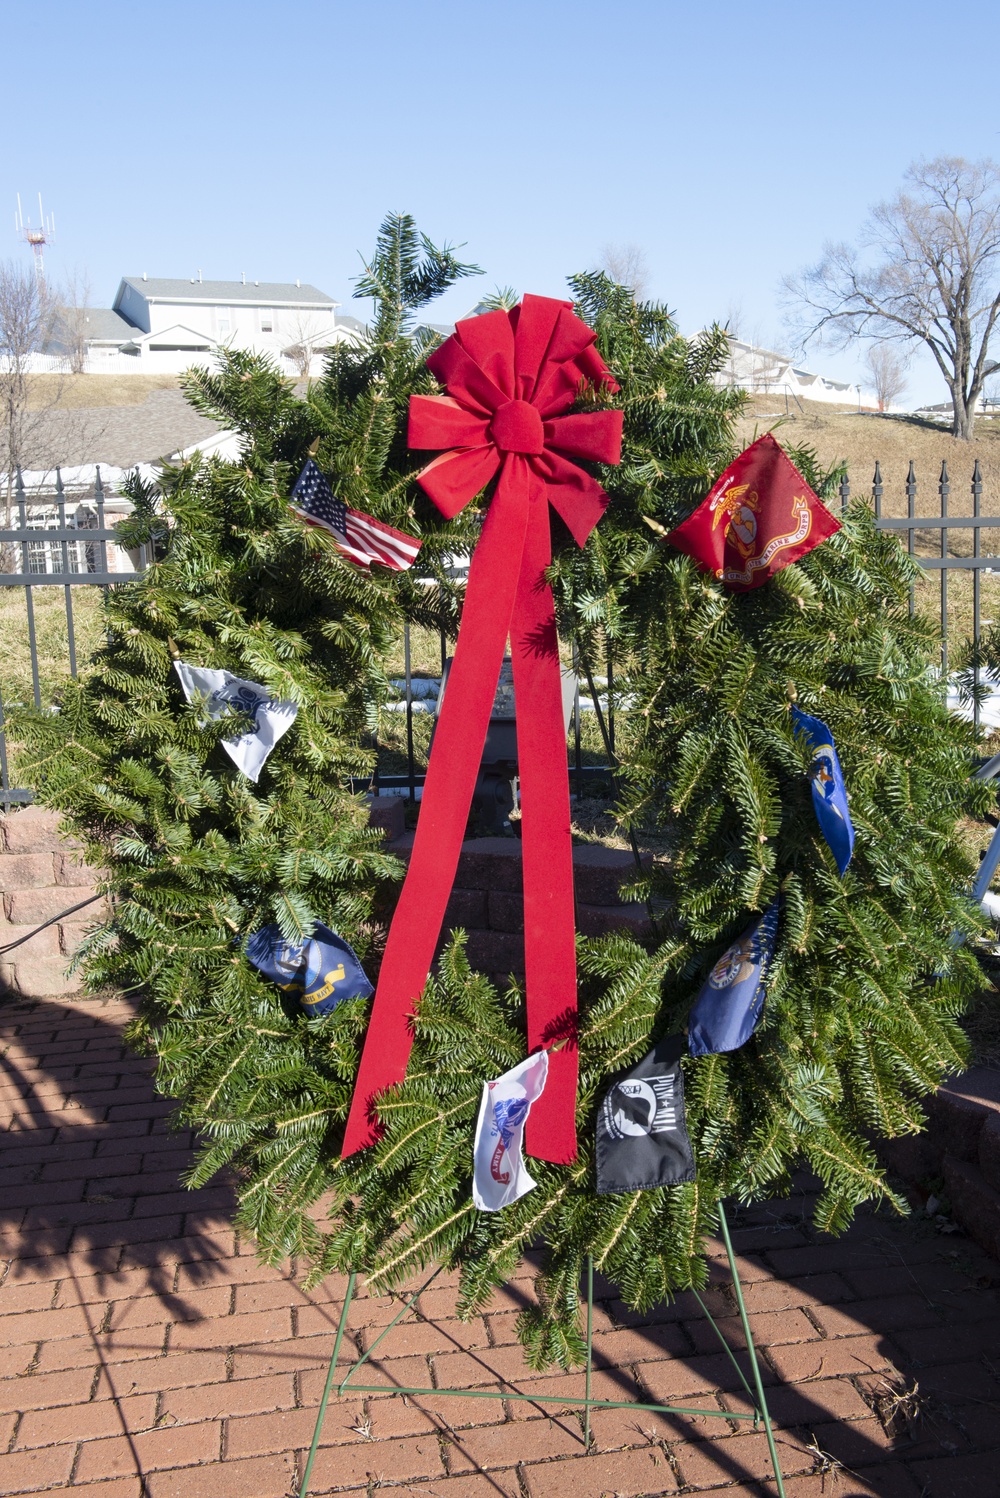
(38, 237)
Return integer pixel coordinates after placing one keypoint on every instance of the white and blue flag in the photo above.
(828, 789)
(499, 1174)
(729, 1005)
(218, 691)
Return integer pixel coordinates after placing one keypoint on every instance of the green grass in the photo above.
(425, 654)
(51, 633)
(52, 638)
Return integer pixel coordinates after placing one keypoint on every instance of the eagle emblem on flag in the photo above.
(759, 516)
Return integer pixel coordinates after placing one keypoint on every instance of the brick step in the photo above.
(975, 1203)
(494, 864)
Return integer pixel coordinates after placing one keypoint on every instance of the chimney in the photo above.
(297, 281)
(243, 277)
(199, 278)
(144, 276)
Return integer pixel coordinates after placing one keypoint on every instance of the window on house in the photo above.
(38, 558)
(266, 320)
(223, 320)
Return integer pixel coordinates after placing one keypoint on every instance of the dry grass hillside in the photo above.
(68, 392)
(835, 432)
(840, 433)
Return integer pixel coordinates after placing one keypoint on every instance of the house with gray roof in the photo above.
(163, 325)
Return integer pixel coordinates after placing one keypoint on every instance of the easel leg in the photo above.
(752, 1351)
(590, 1349)
(307, 1474)
(761, 1411)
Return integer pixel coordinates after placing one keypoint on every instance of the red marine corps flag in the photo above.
(758, 516)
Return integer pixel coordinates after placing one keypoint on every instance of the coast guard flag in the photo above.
(642, 1137)
(499, 1175)
(220, 690)
(829, 791)
(757, 517)
(726, 1011)
(361, 538)
(322, 971)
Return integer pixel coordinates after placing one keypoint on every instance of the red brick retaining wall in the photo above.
(41, 874)
(961, 1147)
(487, 899)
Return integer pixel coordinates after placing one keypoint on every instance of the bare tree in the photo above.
(305, 329)
(72, 321)
(25, 324)
(887, 367)
(25, 321)
(932, 276)
(627, 265)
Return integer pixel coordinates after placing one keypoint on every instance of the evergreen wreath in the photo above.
(867, 984)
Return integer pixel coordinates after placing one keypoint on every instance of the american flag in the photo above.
(361, 538)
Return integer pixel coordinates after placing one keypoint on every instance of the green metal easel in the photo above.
(758, 1399)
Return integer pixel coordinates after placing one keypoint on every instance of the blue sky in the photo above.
(728, 141)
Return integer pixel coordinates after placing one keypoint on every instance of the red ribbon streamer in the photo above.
(509, 376)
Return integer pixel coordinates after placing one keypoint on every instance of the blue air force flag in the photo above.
(499, 1174)
(726, 1011)
(642, 1137)
(321, 972)
(829, 792)
(221, 690)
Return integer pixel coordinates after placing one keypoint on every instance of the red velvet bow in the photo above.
(509, 377)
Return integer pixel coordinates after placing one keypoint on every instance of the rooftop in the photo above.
(100, 325)
(268, 293)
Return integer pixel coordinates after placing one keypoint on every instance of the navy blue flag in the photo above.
(726, 1011)
(322, 971)
(642, 1137)
(829, 792)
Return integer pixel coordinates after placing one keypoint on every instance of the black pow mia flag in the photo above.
(642, 1137)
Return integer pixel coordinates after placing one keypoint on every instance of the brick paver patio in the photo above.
(144, 1351)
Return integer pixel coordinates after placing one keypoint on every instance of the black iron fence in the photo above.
(54, 539)
(950, 545)
(66, 541)
(593, 696)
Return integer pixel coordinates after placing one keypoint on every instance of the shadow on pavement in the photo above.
(880, 1350)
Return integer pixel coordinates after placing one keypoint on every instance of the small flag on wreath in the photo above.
(220, 691)
(828, 789)
(758, 516)
(726, 1011)
(499, 1172)
(323, 970)
(361, 538)
(642, 1137)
